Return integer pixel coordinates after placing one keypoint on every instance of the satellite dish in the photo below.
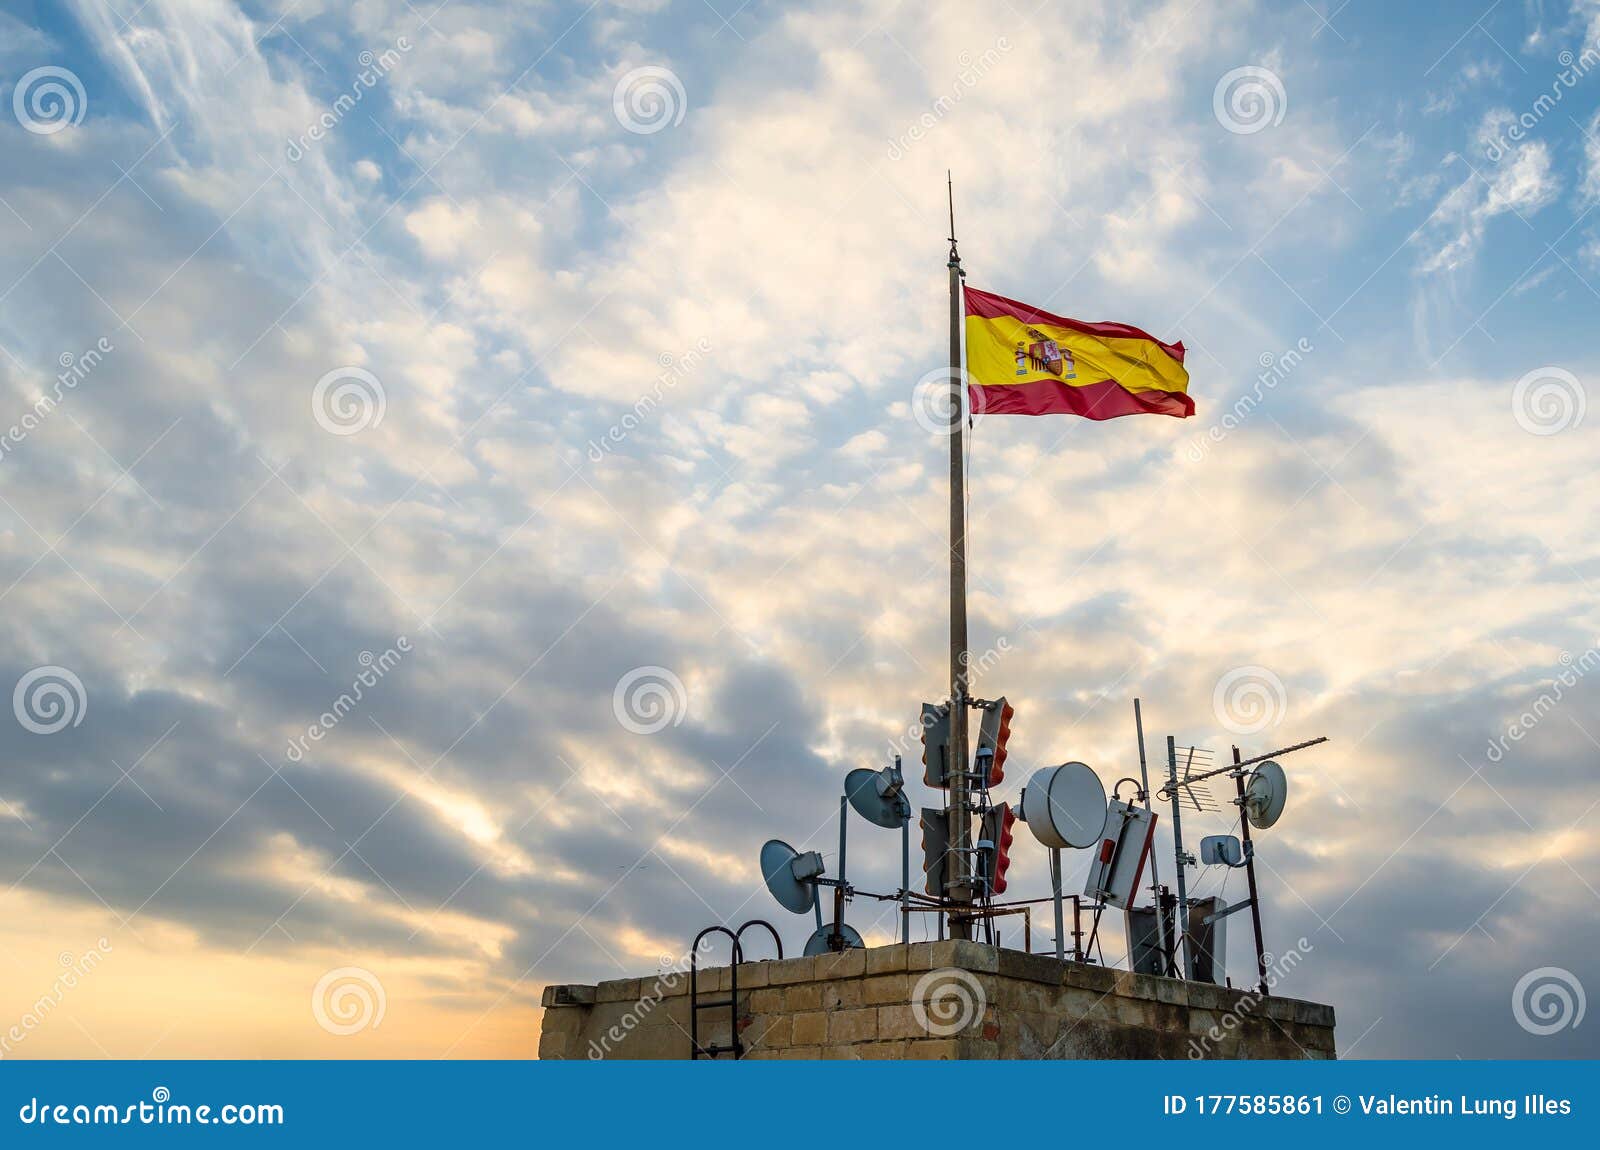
(786, 871)
(1065, 806)
(877, 796)
(1264, 794)
(818, 942)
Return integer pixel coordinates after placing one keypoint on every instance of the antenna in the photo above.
(1264, 794)
(1064, 807)
(880, 798)
(790, 875)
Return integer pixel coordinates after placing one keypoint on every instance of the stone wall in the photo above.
(933, 1000)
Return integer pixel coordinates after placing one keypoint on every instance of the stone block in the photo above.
(852, 1025)
(1086, 977)
(887, 959)
(618, 990)
(1173, 991)
(567, 994)
(1313, 1014)
(767, 1000)
(944, 1049)
(964, 955)
(843, 965)
(840, 994)
(899, 1022)
(771, 1031)
(754, 974)
(888, 989)
(1029, 967)
(810, 1029)
(792, 970)
(804, 996)
(880, 1050)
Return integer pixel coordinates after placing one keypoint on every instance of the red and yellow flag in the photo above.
(1023, 361)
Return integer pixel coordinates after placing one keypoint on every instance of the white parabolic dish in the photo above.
(1065, 806)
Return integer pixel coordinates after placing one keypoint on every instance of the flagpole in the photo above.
(960, 825)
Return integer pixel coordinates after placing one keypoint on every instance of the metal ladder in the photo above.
(732, 1001)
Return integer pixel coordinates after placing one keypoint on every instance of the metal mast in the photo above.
(958, 862)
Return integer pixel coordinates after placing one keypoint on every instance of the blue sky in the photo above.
(581, 352)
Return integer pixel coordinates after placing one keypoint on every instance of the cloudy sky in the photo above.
(541, 381)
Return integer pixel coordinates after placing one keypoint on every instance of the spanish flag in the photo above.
(1023, 361)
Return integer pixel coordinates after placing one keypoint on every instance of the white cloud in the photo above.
(1521, 184)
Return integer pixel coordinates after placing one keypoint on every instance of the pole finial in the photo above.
(950, 190)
